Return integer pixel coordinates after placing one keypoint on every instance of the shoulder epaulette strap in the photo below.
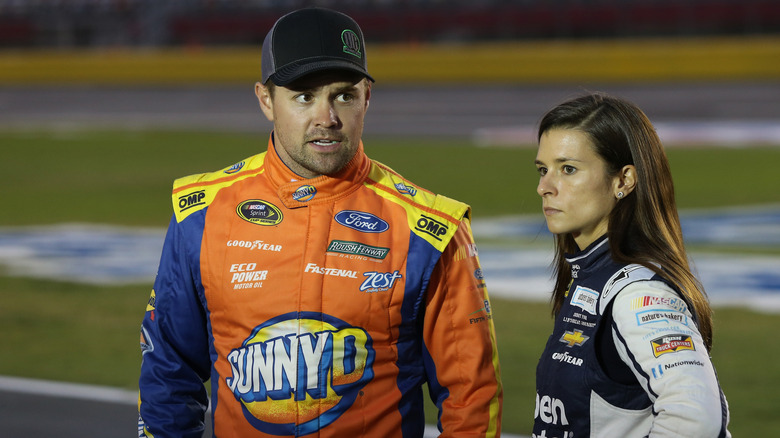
(433, 217)
(626, 275)
(195, 192)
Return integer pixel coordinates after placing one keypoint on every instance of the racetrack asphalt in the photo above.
(454, 111)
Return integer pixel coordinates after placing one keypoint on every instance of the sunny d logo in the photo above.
(298, 372)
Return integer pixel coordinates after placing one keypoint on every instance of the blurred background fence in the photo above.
(100, 23)
(192, 41)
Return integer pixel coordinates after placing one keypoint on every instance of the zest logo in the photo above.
(379, 281)
(298, 372)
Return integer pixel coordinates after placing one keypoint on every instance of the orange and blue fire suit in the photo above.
(317, 307)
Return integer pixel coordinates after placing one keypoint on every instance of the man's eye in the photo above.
(303, 98)
(345, 97)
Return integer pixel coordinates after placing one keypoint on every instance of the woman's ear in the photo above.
(625, 181)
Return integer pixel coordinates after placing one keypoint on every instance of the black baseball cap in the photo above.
(310, 40)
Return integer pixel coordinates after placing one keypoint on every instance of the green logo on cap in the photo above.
(351, 43)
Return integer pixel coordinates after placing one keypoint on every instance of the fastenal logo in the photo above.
(297, 373)
(356, 248)
(431, 226)
(304, 193)
(193, 199)
(361, 221)
(259, 212)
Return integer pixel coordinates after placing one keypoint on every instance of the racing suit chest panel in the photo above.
(569, 375)
(312, 277)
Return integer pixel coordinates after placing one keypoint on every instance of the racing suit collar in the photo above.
(587, 260)
(295, 192)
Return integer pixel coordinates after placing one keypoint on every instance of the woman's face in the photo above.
(577, 194)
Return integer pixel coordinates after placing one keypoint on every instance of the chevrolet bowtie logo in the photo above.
(574, 338)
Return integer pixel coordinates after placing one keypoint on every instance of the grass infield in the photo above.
(82, 333)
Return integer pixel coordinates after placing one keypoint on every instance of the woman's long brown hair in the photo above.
(644, 227)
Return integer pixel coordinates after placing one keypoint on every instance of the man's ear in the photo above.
(266, 100)
(368, 92)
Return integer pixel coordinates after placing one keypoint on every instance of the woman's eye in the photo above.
(568, 170)
(542, 171)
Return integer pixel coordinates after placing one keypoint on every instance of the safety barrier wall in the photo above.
(543, 61)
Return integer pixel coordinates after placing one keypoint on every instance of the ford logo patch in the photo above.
(361, 221)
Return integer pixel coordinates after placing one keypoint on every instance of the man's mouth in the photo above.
(323, 142)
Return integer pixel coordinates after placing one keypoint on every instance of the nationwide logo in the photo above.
(572, 338)
(259, 212)
(405, 190)
(431, 226)
(356, 248)
(361, 221)
(297, 373)
(671, 344)
(235, 168)
(191, 200)
(304, 193)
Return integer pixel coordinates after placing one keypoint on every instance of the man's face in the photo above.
(318, 120)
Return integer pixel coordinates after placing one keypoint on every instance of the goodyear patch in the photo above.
(298, 372)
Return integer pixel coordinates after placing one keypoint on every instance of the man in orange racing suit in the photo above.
(317, 289)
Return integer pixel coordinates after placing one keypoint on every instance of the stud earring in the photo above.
(620, 195)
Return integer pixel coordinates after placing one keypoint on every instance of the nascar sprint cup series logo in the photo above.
(298, 372)
(259, 212)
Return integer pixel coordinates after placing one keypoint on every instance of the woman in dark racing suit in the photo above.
(629, 352)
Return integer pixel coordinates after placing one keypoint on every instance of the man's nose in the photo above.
(326, 114)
